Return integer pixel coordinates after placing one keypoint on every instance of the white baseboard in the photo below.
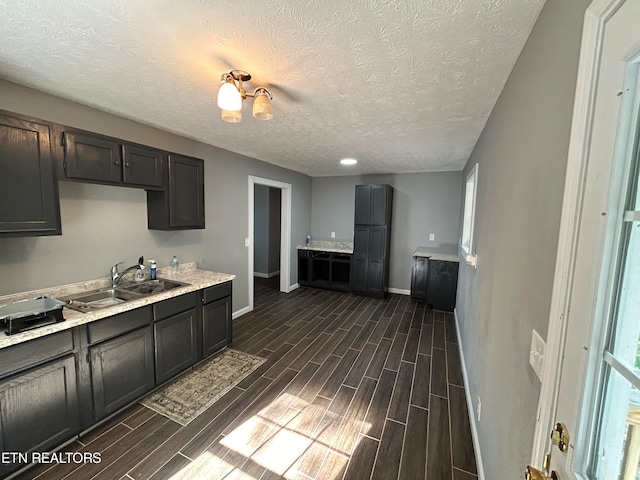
(266, 275)
(470, 409)
(399, 291)
(241, 312)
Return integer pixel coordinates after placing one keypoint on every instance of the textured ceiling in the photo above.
(401, 85)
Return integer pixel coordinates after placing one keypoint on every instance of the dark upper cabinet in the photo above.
(181, 206)
(373, 204)
(95, 158)
(29, 202)
(372, 240)
(143, 166)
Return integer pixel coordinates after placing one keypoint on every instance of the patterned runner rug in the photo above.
(189, 395)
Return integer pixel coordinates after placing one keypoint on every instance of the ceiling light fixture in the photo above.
(348, 161)
(232, 93)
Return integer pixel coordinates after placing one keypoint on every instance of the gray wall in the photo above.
(103, 225)
(522, 155)
(423, 203)
(266, 232)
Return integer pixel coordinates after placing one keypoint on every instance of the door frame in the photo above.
(285, 233)
(596, 17)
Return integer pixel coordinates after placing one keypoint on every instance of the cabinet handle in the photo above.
(128, 165)
(116, 163)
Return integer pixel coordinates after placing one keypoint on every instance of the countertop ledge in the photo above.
(440, 252)
(188, 273)
(324, 246)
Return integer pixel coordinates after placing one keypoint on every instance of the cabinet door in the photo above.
(380, 205)
(122, 370)
(419, 278)
(92, 158)
(303, 267)
(442, 284)
(143, 166)
(186, 186)
(363, 205)
(216, 328)
(176, 344)
(360, 259)
(377, 279)
(181, 205)
(29, 202)
(38, 409)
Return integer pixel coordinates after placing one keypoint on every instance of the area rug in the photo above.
(192, 393)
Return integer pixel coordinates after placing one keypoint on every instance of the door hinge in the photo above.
(560, 437)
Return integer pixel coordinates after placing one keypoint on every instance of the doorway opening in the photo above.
(269, 241)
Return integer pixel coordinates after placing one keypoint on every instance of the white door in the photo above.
(592, 369)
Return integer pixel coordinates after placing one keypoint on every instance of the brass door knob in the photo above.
(531, 473)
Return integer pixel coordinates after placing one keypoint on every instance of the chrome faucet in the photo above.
(116, 276)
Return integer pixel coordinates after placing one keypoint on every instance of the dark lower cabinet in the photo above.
(38, 409)
(419, 270)
(216, 326)
(322, 269)
(121, 370)
(435, 282)
(176, 340)
(29, 201)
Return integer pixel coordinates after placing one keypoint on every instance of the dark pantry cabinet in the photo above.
(181, 206)
(101, 159)
(372, 240)
(29, 202)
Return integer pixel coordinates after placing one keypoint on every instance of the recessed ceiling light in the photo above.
(348, 161)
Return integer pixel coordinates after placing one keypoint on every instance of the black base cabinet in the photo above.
(435, 282)
(38, 396)
(57, 386)
(122, 370)
(176, 336)
(217, 329)
(322, 269)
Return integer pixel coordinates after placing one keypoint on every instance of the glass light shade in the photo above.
(231, 116)
(229, 97)
(262, 108)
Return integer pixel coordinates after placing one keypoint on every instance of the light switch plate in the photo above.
(246, 242)
(536, 354)
(333, 234)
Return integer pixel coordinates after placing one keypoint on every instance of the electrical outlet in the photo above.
(536, 354)
(478, 409)
(246, 242)
(432, 237)
(333, 234)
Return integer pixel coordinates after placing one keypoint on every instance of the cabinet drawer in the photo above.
(173, 306)
(119, 324)
(216, 292)
(35, 351)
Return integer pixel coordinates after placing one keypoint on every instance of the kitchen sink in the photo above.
(108, 297)
(152, 286)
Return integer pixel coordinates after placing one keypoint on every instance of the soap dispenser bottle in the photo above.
(153, 269)
(175, 265)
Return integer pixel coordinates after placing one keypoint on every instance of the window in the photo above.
(466, 242)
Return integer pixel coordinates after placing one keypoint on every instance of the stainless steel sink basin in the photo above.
(152, 286)
(108, 297)
(97, 299)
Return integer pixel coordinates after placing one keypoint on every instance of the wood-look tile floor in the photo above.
(353, 388)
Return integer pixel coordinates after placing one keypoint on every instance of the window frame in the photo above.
(469, 215)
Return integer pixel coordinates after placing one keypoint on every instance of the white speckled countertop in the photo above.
(447, 252)
(333, 247)
(188, 273)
